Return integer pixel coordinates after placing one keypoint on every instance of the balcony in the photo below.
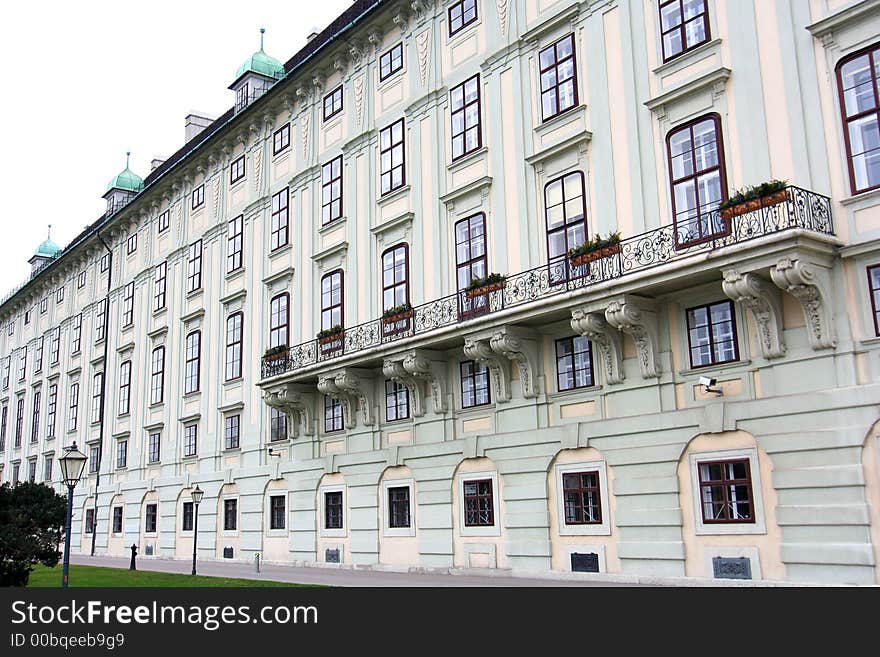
(802, 210)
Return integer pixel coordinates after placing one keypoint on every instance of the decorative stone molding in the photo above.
(502, 15)
(637, 317)
(415, 368)
(608, 341)
(354, 389)
(297, 403)
(480, 350)
(423, 39)
(811, 285)
(305, 124)
(765, 303)
(394, 370)
(401, 18)
(495, 348)
(359, 99)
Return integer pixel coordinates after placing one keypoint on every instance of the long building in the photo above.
(366, 311)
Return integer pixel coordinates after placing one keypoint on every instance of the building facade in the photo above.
(347, 308)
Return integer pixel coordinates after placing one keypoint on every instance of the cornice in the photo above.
(855, 12)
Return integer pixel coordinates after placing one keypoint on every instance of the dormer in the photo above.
(45, 253)
(124, 187)
(254, 78)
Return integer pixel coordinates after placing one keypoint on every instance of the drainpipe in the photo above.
(103, 386)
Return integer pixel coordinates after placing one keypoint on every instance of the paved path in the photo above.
(334, 576)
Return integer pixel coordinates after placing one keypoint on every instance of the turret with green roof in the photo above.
(255, 76)
(123, 187)
(45, 253)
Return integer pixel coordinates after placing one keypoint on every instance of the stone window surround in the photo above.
(703, 529)
(495, 528)
(387, 530)
(597, 529)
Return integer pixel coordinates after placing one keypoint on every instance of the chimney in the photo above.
(155, 163)
(195, 123)
(312, 34)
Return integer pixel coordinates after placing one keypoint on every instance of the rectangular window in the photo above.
(230, 515)
(122, 454)
(81, 280)
(101, 320)
(398, 507)
(873, 290)
(332, 414)
(331, 191)
(38, 355)
(124, 388)
(232, 431)
(59, 294)
(467, 134)
(117, 519)
(194, 271)
(391, 62)
(7, 364)
(157, 376)
(190, 439)
(44, 305)
(279, 221)
(396, 401)
(27, 317)
(474, 384)
(90, 521)
(712, 334)
(10, 327)
(462, 14)
(333, 512)
(193, 362)
(32, 470)
(51, 411)
(35, 417)
(198, 197)
(684, 24)
(565, 213)
(392, 157)
(128, 305)
(97, 397)
(54, 346)
(333, 103)
(159, 279)
(278, 320)
(73, 407)
(236, 170)
(470, 261)
(94, 460)
(558, 77)
(858, 81)
(188, 508)
(105, 262)
(395, 281)
(15, 467)
(276, 511)
(242, 97)
(277, 425)
(164, 221)
(47, 468)
(281, 139)
(4, 422)
(150, 518)
(581, 499)
(234, 344)
(76, 334)
(726, 491)
(153, 452)
(574, 363)
(22, 363)
(479, 510)
(132, 244)
(331, 300)
(234, 243)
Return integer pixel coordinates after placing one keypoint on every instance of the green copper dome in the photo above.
(48, 249)
(262, 64)
(127, 180)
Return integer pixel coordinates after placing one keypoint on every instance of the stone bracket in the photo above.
(637, 316)
(496, 349)
(413, 369)
(608, 341)
(765, 303)
(296, 402)
(353, 388)
(810, 284)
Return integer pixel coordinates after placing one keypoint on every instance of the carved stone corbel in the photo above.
(327, 385)
(479, 349)
(637, 317)
(340, 63)
(608, 341)
(414, 369)
(353, 389)
(765, 303)
(401, 18)
(393, 369)
(522, 352)
(297, 403)
(811, 285)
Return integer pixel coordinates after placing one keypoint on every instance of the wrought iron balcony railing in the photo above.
(800, 208)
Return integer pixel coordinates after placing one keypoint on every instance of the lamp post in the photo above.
(72, 463)
(197, 494)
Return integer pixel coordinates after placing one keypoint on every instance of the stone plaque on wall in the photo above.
(584, 562)
(228, 552)
(732, 568)
(331, 556)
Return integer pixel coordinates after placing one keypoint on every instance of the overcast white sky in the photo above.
(86, 81)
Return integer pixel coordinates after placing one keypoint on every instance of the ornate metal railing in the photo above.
(800, 209)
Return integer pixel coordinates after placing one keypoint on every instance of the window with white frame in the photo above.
(277, 511)
(332, 499)
(230, 514)
(582, 499)
(391, 61)
(726, 492)
(190, 440)
(478, 504)
(198, 197)
(397, 496)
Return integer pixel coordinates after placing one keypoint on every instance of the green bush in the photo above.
(753, 192)
(486, 280)
(594, 244)
(31, 527)
(333, 330)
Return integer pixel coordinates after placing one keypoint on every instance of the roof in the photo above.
(262, 64)
(126, 180)
(47, 249)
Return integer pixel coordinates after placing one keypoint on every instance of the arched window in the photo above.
(395, 277)
(157, 376)
(858, 77)
(279, 316)
(234, 340)
(331, 300)
(565, 211)
(193, 362)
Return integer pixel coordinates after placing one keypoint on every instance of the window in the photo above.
(94, 459)
(858, 78)
(391, 62)
(19, 421)
(281, 139)
(241, 97)
(479, 508)
(236, 170)
(124, 387)
(234, 343)
(333, 103)
(697, 177)
(278, 320)
(726, 491)
(188, 508)
(157, 376)
(198, 197)
(81, 280)
(276, 511)
(558, 78)
(121, 453)
(154, 444)
(395, 275)
(470, 250)
(90, 521)
(194, 271)
(7, 363)
(333, 510)
(712, 334)
(51, 411)
(332, 414)
(331, 300)
(15, 467)
(27, 317)
(277, 425)
(128, 305)
(10, 327)
(396, 401)
(105, 262)
(164, 221)
(4, 421)
(234, 241)
(76, 334)
(190, 439)
(565, 212)
(47, 468)
(159, 286)
(684, 24)
(574, 363)
(101, 320)
(279, 237)
(392, 157)
(54, 345)
(581, 498)
(331, 191)
(150, 518)
(132, 244)
(38, 355)
(474, 384)
(32, 470)
(398, 507)
(35, 417)
(22, 364)
(117, 519)
(73, 407)
(193, 362)
(873, 290)
(230, 515)
(59, 294)
(232, 431)
(44, 305)
(462, 14)
(97, 397)
(465, 114)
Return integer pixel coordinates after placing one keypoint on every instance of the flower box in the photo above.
(756, 204)
(333, 337)
(476, 292)
(391, 320)
(595, 254)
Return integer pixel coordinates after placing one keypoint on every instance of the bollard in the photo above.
(257, 561)
(134, 551)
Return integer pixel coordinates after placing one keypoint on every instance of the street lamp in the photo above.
(197, 494)
(72, 463)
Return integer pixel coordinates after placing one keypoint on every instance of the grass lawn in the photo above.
(81, 576)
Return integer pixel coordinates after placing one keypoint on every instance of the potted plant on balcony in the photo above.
(754, 198)
(331, 334)
(396, 314)
(278, 352)
(593, 249)
(480, 286)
